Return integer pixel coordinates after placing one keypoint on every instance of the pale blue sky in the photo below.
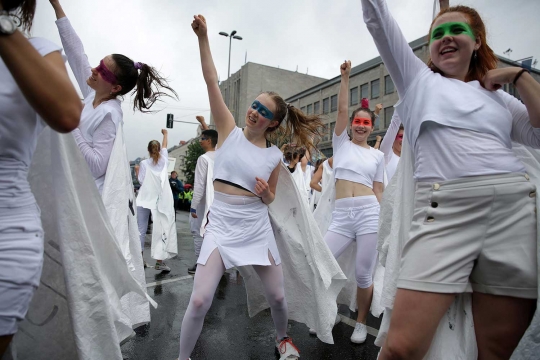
(314, 34)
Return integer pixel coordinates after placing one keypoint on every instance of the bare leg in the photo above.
(366, 256)
(204, 287)
(4, 343)
(499, 324)
(415, 318)
(363, 301)
(272, 279)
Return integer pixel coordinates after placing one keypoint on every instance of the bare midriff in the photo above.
(348, 189)
(230, 190)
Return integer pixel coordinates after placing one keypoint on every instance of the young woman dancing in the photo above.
(359, 175)
(474, 225)
(246, 172)
(36, 92)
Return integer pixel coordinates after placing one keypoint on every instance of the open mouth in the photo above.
(252, 119)
(447, 50)
(360, 131)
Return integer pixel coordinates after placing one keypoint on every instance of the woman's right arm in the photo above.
(395, 52)
(74, 49)
(222, 116)
(316, 179)
(43, 81)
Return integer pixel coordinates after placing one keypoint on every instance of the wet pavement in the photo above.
(228, 332)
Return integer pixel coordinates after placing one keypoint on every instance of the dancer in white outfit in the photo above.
(155, 195)
(203, 188)
(472, 195)
(359, 174)
(245, 179)
(36, 92)
(391, 146)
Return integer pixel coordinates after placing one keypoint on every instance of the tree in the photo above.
(190, 161)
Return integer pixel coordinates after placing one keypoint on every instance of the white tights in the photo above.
(366, 254)
(205, 284)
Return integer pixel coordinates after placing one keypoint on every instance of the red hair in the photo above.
(485, 57)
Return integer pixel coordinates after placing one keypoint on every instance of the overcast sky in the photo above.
(311, 34)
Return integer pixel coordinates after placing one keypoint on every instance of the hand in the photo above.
(164, 131)
(378, 138)
(378, 109)
(199, 25)
(261, 188)
(200, 119)
(496, 78)
(345, 68)
(193, 215)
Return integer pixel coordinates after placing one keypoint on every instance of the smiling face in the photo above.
(452, 44)
(360, 127)
(260, 115)
(102, 77)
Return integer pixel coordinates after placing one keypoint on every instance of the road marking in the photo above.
(169, 281)
(352, 323)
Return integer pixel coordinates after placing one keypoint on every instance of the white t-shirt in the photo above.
(20, 127)
(356, 163)
(149, 164)
(390, 158)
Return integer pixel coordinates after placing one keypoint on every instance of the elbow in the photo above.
(68, 119)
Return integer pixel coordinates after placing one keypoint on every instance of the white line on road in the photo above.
(169, 281)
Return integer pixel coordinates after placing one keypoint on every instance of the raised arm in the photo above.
(164, 143)
(43, 80)
(201, 121)
(391, 133)
(77, 59)
(395, 52)
(343, 99)
(222, 116)
(316, 179)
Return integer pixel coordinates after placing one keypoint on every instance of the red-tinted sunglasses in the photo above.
(105, 73)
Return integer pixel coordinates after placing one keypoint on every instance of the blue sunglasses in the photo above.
(263, 110)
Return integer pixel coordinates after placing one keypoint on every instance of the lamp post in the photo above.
(232, 36)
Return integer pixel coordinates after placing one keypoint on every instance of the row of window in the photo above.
(330, 103)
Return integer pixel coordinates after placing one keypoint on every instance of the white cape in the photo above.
(156, 195)
(313, 278)
(208, 198)
(119, 199)
(74, 312)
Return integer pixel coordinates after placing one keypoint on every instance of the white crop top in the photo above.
(238, 161)
(356, 163)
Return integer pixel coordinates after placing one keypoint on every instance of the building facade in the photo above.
(368, 80)
(246, 84)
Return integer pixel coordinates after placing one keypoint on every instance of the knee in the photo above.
(200, 303)
(364, 279)
(277, 300)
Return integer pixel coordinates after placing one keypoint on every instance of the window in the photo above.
(326, 106)
(332, 127)
(316, 107)
(388, 85)
(303, 108)
(309, 109)
(364, 91)
(333, 103)
(375, 87)
(353, 96)
(388, 112)
(325, 132)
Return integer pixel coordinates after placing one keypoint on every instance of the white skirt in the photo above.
(239, 227)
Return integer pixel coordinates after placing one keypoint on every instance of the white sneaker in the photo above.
(337, 321)
(162, 267)
(286, 349)
(360, 333)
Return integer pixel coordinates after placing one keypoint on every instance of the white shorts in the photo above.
(239, 226)
(355, 216)
(21, 261)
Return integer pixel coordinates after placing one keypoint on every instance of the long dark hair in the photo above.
(22, 9)
(147, 82)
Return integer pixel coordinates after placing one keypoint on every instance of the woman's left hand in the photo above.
(261, 188)
(496, 78)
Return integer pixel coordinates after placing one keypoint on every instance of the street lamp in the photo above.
(232, 36)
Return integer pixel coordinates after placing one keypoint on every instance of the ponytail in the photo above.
(299, 128)
(153, 150)
(23, 11)
(145, 81)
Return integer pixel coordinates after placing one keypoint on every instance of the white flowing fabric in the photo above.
(300, 181)
(119, 200)
(76, 309)
(209, 193)
(313, 278)
(156, 195)
(323, 212)
(454, 338)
